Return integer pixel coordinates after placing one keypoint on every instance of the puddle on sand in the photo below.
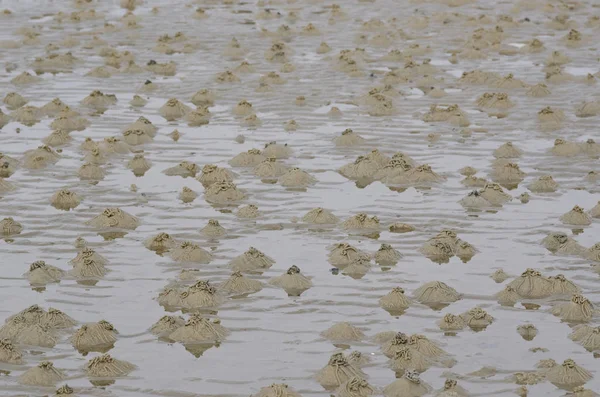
(276, 338)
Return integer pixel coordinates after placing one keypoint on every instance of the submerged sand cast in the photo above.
(359, 198)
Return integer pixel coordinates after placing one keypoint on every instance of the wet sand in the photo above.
(276, 338)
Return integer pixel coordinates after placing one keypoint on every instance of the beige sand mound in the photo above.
(237, 284)
(45, 375)
(436, 292)
(568, 375)
(114, 218)
(200, 330)
(223, 193)
(100, 336)
(292, 281)
(386, 255)
(105, 366)
(166, 325)
(579, 309)
(187, 251)
(343, 331)
(577, 216)
(9, 353)
(451, 322)
(211, 174)
(213, 229)
(337, 372)
(410, 385)
(41, 273)
(277, 390)
(477, 318)
(200, 295)
(251, 261)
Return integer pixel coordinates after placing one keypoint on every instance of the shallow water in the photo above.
(275, 338)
